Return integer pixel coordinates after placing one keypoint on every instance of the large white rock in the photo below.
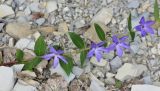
(96, 87)
(104, 16)
(25, 43)
(51, 6)
(22, 86)
(5, 10)
(129, 71)
(61, 72)
(6, 78)
(145, 88)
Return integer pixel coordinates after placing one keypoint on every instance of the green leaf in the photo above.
(19, 55)
(77, 40)
(118, 84)
(32, 64)
(132, 34)
(130, 22)
(40, 46)
(156, 11)
(67, 67)
(100, 32)
(83, 56)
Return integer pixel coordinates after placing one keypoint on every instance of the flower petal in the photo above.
(149, 23)
(119, 51)
(122, 39)
(48, 56)
(62, 58)
(124, 45)
(101, 43)
(91, 53)
(93, 45)
(138, 28)
(142, 21)
(143, 33)
(98, 55)
(111, 47)
(115, 39)
(52, 50)
(149, 30)
(56, 61)
(60, 51)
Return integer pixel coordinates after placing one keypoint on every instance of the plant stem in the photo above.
(76, 51)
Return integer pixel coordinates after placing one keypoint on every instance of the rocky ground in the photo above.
(23, 21)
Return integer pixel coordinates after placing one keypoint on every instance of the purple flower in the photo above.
(145, 27)
(56, 54)
(96, 50)
(118, 44)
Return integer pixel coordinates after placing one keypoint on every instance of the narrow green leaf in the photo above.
(100, 32)
(32, 64)
(132, 34)
(67, 67)
(130, 22)
(83, 56)
(19, 55)
(156, 11)
(77, 40)
(40, 46)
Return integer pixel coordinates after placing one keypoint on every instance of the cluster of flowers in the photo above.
(118, 44)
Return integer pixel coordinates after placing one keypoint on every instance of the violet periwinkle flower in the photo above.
(118, 45)
(145, 27)
(97, 50)
(56, 54)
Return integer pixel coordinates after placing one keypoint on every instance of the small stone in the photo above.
(104, 16)
(102, 62)
(11, 42)
(115, 63)
(129, 71)
(34, 7)
(17, 67)
(40, 21)
(46, 30)
(80, 23)
(55, 83)
(18, 30)
(23, 87)
(154, 50)
(51, 6)
(25, 43)
(7, 78)
(9, 55)
(110, 81)
(27, 11)
(1, 26)
(63, 27)
(42, 65)
(28, 54)
(5, 10)
(27, 74)
(36, 35)
(77, 71)
(96, 87)
(134, 48)
(134, 4)
(147, 80)
(60, 71)
(145, 87)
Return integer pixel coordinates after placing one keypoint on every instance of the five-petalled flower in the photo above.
(97, 50)
(144, 27)
(56, 54)
(118, 44)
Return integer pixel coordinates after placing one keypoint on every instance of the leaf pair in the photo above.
(39, 49)
(79, 43)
